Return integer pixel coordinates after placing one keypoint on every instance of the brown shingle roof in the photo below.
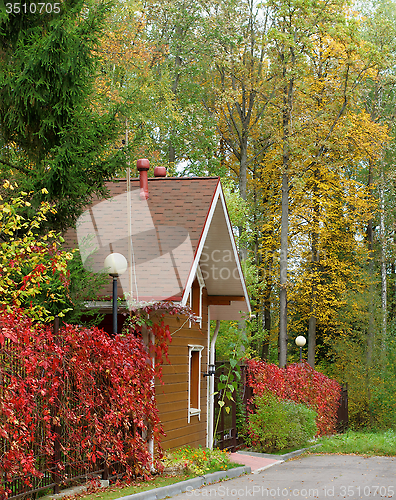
(177, 201)
(166, 231)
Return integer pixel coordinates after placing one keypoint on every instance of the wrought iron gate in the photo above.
(226, 435)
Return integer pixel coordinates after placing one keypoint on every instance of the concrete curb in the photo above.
(226, 474)
(299, 452)
(188, 485)
(267, 466)
(282, 458)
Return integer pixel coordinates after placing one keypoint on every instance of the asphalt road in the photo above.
(310, 477)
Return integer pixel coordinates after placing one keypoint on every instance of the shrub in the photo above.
(299, 383)
(33, 269)
(279, 424)
(95, 388)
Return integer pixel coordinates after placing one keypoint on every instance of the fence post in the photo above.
(342, 412)
(105, 473)
(56, 428)
(233, 424)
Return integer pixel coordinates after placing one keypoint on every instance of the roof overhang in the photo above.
(163, 255)
(218, 260)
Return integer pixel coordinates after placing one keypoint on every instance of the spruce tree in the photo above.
(53, 134)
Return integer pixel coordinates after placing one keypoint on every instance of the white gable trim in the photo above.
(201, 245)
(200, 277)
(194, 268)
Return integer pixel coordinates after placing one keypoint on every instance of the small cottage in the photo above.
(176, 236)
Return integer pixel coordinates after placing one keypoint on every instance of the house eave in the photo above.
(223, 276)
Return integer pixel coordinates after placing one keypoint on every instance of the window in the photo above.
(194, 380)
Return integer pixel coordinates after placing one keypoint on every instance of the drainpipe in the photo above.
(143, 165)
(151, 437)
(211, 385)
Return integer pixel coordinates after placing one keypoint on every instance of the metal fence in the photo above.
(226, 433)
(342, 414)
(228, 417)
(54, 469)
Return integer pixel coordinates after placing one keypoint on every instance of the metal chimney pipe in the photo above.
(143, 165)
(159, 172)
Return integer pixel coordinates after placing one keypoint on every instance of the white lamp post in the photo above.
(115, 264)
(300, 341)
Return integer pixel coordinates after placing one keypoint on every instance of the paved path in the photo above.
(256, 461)
(320, 477)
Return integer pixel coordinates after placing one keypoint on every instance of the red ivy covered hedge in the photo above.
(97, 388)
(299, 383)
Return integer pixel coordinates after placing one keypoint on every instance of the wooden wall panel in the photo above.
(172, 397)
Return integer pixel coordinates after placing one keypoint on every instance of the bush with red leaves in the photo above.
(96, 388)
(299, 383)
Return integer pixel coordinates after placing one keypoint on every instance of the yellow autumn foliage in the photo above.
(33, 270)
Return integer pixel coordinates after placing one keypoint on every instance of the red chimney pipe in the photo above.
(143, 165)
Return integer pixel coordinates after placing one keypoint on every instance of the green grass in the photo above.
(360, 443)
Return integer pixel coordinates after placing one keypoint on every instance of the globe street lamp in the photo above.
(115, 264)
(300, 341)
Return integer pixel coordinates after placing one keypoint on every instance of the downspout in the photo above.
(212, 354)
(208, 414)
(143, 166)
(151, 437)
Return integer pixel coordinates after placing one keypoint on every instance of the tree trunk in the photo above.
(267, 323)
(178, 63)
(312, 339)
(286, 118)
(371, 306)
(370, 243)
(314, 272)
(283, 272)
(243, 191)
(392, 291)
(264, 268)
(242, 180)
(383, 266)
(266, 309)
(171, 153)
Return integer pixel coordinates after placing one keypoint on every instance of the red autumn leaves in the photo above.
(299, 383)
(97, 388)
